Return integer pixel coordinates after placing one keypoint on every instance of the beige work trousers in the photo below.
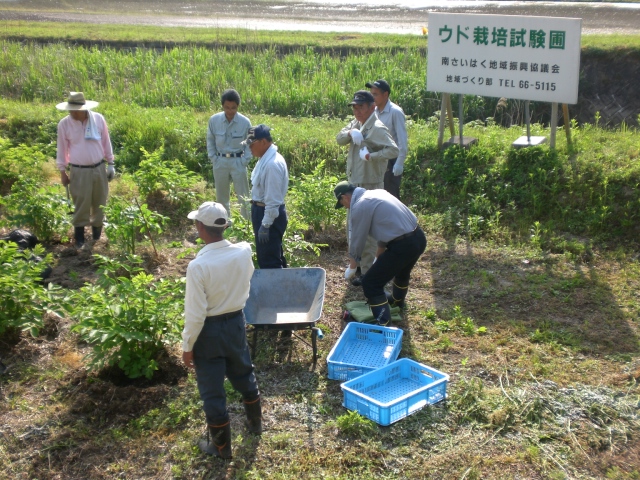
(371, 246)
(89, 189)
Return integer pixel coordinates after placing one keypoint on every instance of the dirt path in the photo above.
(346, 16)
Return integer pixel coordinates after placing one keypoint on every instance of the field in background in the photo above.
(526, 295)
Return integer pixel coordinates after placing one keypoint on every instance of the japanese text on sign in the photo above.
(528, 58)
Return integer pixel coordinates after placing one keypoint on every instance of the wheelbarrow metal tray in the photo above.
(395, 391)
(362, 348)
(285, 297)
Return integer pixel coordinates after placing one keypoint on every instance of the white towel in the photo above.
(91, 132)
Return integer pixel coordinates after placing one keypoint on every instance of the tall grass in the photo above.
(302, 83)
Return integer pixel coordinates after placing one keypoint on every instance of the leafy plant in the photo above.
(312, 199)
(355, 425)
(21, 160)
(158, 176)
(40, 209)
(128, 316)
(25, 300)
(126, 223)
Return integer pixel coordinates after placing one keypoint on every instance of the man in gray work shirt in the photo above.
(393, 118)
(229, 157)
(401, 242)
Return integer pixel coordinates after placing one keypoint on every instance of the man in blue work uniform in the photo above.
(229, 157)
(400, 241)
(393, 118)
(270, 181)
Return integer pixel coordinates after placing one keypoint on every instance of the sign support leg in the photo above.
(553, 125)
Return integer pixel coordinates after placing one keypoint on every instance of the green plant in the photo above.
(128, 316)
(355, 425)
(311, 198)
(21, 160)
(40, 209)
(157, 176)
(126, 223)
(25, 300)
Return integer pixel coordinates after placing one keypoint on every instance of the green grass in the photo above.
(526, 296)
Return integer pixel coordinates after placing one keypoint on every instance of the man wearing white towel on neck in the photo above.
(84, 147)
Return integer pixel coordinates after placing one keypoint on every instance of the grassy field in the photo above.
(527, 295)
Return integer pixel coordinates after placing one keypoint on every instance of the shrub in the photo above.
(25, 300)
(128, 316)
(42, 210)
(168, 178)
(126, 222)
(21, 160)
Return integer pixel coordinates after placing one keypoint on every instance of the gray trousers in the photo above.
(222, 350)
(225, 171)
(392, 182)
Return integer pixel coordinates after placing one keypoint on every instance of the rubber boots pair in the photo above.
(380, 309)
(218, 441)
(253, 409)
(399, 293)
(78, 234)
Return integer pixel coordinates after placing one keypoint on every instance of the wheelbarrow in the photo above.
(286, 299)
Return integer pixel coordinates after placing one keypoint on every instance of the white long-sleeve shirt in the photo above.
(269, 183)
(218, 282)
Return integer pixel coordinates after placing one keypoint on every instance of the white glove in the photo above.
(349, 272)
(111, 172)
(364, 151)
(374, 260)
(356, 136)
(398, 169)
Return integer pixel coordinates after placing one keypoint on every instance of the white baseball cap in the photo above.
(211, 214)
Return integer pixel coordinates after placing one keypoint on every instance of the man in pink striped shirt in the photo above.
(84, 147)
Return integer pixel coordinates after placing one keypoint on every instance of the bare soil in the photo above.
(59, 422)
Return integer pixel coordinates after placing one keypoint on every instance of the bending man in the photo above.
(401, 242)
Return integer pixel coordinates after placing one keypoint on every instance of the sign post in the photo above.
(525, 58)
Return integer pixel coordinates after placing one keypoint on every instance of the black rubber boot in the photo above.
(396, 299)
(79, 236)
(380, 308)
(218, 442)
(96, 232)
(253, 409)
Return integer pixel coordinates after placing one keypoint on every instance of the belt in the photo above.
(406, 235)
(88, 166)
(231, 155)
(258, 204)
(223, 316)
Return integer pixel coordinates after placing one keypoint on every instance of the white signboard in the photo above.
(526, 58)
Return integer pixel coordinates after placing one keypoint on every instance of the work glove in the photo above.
(356, 136)
(364, 151)
(349, 272)
(398, 168)
(263, 234)
(111, 172)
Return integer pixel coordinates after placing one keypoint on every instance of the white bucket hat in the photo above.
(76, 101)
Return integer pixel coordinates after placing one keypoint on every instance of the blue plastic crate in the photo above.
(362, 348)
(395, 391)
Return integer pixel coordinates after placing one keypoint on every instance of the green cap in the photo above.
(342, 188)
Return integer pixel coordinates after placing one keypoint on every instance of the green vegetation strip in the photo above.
(239, 38)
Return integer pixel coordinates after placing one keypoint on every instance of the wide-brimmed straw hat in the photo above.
(76, 101)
